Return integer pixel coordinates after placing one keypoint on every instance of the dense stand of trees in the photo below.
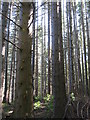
(45, 49)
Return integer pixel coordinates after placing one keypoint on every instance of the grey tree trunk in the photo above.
(33, 44)
(84, 46)
(36, 80)
(88, 40)
(44, 53)
(6, 57)
(48, 48)
(24, 98)
(42, 83)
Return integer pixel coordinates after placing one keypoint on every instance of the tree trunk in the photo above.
(48, 48)
(33, 44)
(36, 80)
(88, 40)
(44, 54)
(0, 64)
(24, 99)
(42, 83)
(84, 46)
(6, 58)
(57, 72)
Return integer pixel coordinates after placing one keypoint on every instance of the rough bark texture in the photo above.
(57, 72)
(6, 57)
(4, 20)
(84, 47)
(48, 48)
(42, 83)
(24, 88)
(36, 80)
(0, 65)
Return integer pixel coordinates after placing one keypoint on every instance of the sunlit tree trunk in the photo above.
(6, 57)
(88, 40)
(42, 83)
(44, 52)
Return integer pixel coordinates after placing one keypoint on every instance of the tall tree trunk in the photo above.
(42, 83)
(44, 53)
(6, 59)
(36, 80)
(5, 6)
(88, 40)
(33, 44)
(24, 99)
(48, 48)
(71, 50)
(84, 46)
(0, 64)
(57, 72)
(83, 82)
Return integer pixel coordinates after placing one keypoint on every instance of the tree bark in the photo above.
(24, 88)
(0, 64)
(57, 72)
(48, 48)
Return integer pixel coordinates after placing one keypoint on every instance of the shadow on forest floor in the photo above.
(41, 112)
(78, 108)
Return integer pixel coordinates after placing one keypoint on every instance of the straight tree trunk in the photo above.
(42, 83)
(57, 73)
(84, 46)
(88, 40)
(24, 98)
(83, 81)
(33, 44)
(44, 54)
(48, 48)
(71, 50)
(5, 6)
(36, 80)
(0, 64)
(6, 58)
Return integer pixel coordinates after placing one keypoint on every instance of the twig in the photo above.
(11, 20)
(13, 44)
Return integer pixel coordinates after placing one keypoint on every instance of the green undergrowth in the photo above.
(47, 101)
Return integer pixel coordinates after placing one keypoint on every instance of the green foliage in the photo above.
(37, 105)
(49, 102)
(47, 98)
(72, 97)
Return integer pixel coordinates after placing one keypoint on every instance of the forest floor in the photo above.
(78, 108)
(41, 112)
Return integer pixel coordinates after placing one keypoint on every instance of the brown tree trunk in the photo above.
(24, 88)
